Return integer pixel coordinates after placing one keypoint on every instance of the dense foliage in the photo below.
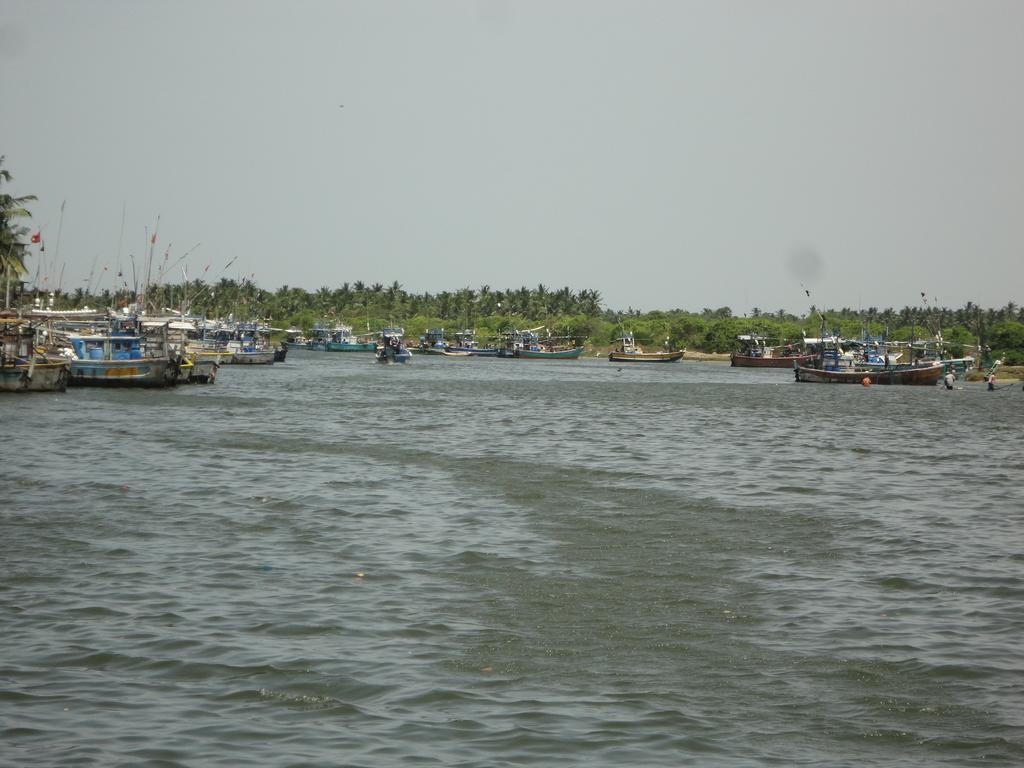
(12, 245)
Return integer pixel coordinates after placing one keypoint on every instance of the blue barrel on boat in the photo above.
(96, 353)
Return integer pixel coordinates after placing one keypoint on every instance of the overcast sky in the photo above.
(667, 154)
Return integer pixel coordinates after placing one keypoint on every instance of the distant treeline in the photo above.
(565, 312)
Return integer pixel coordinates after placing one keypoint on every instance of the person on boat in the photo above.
(950, 378)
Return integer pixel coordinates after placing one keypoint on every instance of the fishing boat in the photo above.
(339, 339)
(432, 341)
(194, 367)
(465, 341)
(456, 353)
(119, 356)
(319, 338)
(23, 366)
(565, 353)
(528, 345)
(294, 339)
(835, 365)
(757, 353)
(920, 374)
(628, 351)
(251, 345)
(391, 347)
(237, 343)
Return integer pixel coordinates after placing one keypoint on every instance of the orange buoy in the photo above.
(866, 381)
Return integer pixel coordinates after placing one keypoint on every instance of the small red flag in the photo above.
(37, 237)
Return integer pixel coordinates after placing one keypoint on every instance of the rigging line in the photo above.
(60, 228)
(120, 239)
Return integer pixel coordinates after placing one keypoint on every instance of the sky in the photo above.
(676, 154)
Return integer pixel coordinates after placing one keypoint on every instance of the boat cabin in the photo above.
(433, 337)
(341, 334)
(626, 344)
(120, 347)
(465, 339)
(17, 339)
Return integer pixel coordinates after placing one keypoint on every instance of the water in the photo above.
(508, 563)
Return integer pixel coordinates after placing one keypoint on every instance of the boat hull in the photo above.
(41, 377)
(534, 354)
(334, 346)
(751, 361)
(646, 357)
(390, 356)
(918, 375)
(250, 358)
(476, 351)
(203, 370)
(145, 372)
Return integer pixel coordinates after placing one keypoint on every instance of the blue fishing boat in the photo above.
(337, 339)
(295, 340)
(237, 343)
(528, 345)
(342, 340)
(391, 347)
(118, 356)
(465, 342)
(432, 341)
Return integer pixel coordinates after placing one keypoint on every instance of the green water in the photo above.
(562, 563)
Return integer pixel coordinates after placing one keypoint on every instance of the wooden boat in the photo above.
(629, 352)
(432, 342)
(238, 343)
(528, 345)
(571, 353)
(199, 369)
(120, 358)
(339, 339)
(391, 347)
(23, 368)
(836, 365)
(738, 360)
(756, 353)
(465, 341)
(456, 353)
(194, 365)
(923, 375)
(34, 376)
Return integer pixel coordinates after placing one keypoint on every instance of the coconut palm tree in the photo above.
(12, 250)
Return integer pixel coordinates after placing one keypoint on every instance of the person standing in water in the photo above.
(950, 378)
(991, 382)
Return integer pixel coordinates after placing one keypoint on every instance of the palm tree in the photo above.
(12, 250)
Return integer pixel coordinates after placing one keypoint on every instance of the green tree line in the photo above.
(563, 311)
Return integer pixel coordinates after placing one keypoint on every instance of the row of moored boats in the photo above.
(390, 345)
(868, 360)
(49, 351)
